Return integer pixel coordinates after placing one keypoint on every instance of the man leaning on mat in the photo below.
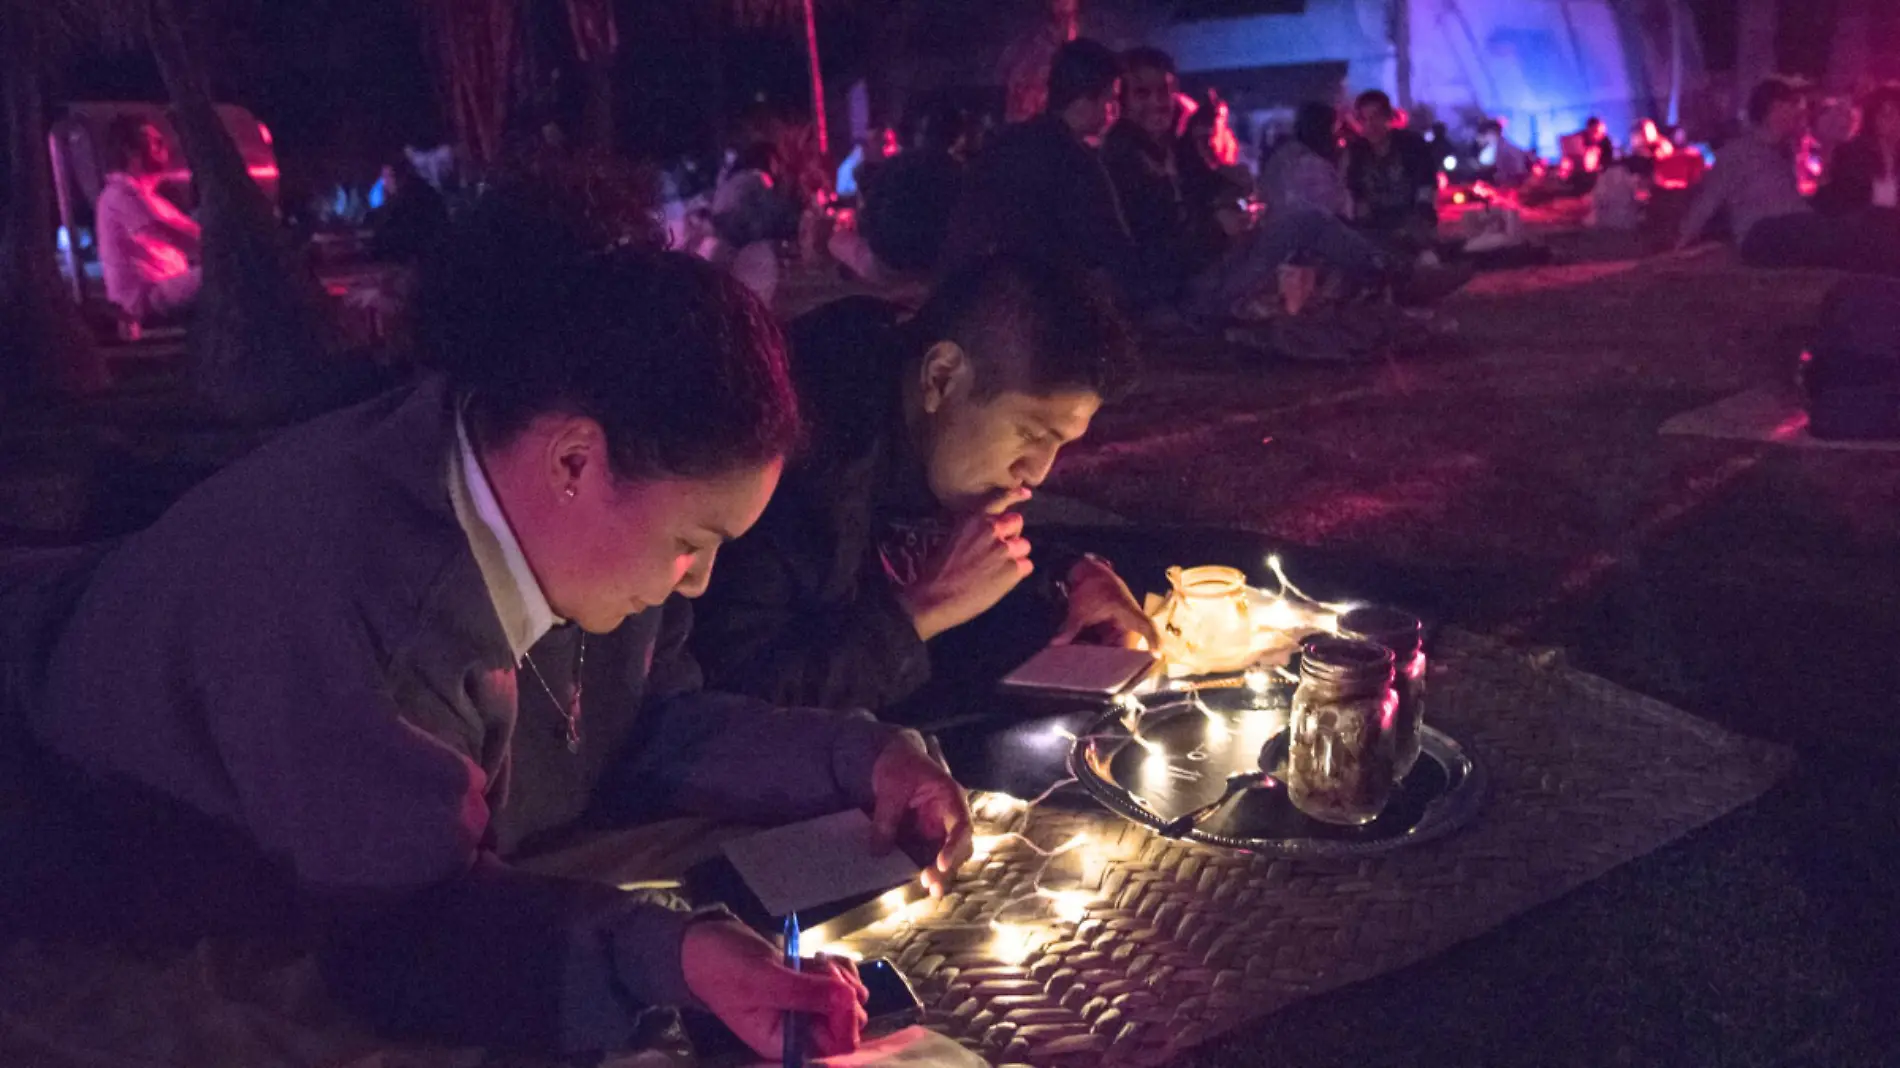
(359, 686)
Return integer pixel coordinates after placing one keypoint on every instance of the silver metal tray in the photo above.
(1189, 744)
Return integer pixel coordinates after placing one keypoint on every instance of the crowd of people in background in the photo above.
(1133, 177)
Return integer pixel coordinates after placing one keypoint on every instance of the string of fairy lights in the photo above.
(1003, 821)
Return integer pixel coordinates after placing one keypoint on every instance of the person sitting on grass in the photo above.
(1500, 162)
(893, 556)
(1304, 173)
(1203, 254)
(1587, 154)
(412, 219)
(1864, 174)
(371, 713)
(1039, 188)
(905, 202)
(1755, 182)
(1393, 175)
(146, 244)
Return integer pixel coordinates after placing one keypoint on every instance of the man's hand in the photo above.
(1100, 600)
(915, 791)
(983, 559)
(743, 979)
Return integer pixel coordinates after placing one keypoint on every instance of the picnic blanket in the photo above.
(1175, 943)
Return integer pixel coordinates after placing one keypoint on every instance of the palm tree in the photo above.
(47, 345)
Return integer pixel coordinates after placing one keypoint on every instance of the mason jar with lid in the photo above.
(1340, 755)
(1404, 634)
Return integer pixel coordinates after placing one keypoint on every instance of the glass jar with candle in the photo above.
(1339, 761)
(1207, 623)
(1404, 634)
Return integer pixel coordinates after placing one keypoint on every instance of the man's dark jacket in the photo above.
(1037, 189)
(804, 607)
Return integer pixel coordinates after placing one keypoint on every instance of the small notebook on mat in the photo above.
(1081, 671)
(818, 862)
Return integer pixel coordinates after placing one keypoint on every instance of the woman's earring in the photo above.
(572, 492)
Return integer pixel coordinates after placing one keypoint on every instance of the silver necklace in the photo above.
(571, 710)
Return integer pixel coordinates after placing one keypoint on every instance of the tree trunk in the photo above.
(46, 343)
(595, 32)
(890, 77)
(1401, 12)
(1758, 21)
(264, 344)
(715, 34)
(1026, 65)
(1849, 66)
(474, 46)
(597, 107)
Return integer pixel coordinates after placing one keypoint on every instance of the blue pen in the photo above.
(794, 1026)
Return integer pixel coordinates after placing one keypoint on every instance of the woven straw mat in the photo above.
(1182, 942)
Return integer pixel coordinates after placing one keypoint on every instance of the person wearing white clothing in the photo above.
(146, 244)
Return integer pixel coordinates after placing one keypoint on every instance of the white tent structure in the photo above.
(1543, 66)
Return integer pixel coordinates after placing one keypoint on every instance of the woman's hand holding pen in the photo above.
(743, 979)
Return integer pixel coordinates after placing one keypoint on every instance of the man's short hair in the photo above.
(1083, 69)
(1490, 126)
(125, 140)
(554, 294)
(1769, 95)
(1374, 98)
(1148, 57)
(1032, 326)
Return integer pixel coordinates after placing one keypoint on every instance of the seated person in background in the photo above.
(1303, 174)
(1500, 162)
(412, 221)
(1039, 187)
(752, 211)
(1195, 257)
(1648, 147)
(1586, 154)
(1393, 175)
(1208, 158)
(881, 563)
(146, 245)
(363, 712)
(1865, 172)
(877, 145)
(1754, 180)
(906, 202)
(1142, 155)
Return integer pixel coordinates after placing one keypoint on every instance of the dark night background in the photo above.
(345, 82)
